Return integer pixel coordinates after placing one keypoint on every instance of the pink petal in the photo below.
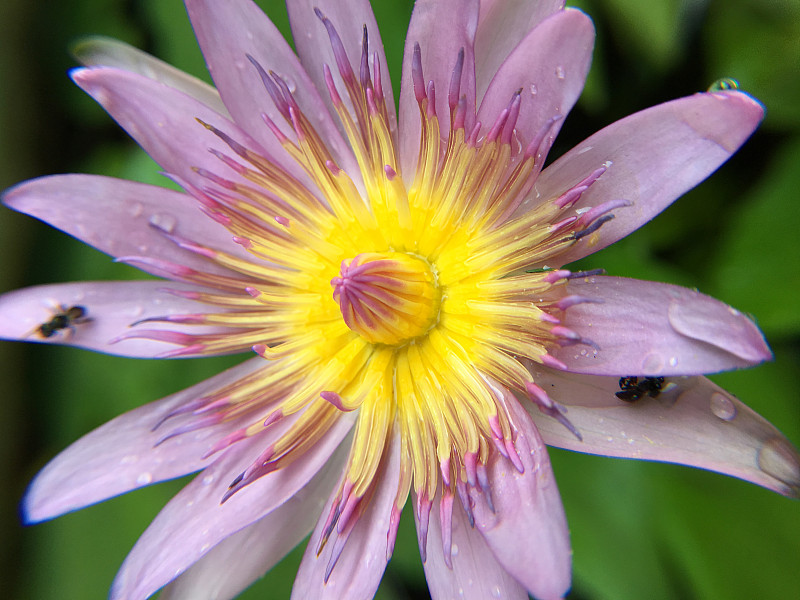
(360, 567)
(475, 573)
(692, 422)
(111, 307)
(124, 218)
(648, 328)
(314, 46)
(656, 155)
(227, 33)
(527, 530)
(501, 26)
(442, 28)
(99, 51)
(164, 122)
(194, 521)
(241, 558)
(549, 65)
(122, 455)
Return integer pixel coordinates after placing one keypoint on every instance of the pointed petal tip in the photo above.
(779, 459)
(79, 74)
(10, 196)
(728, 122)
(28, 514)
(755, 108)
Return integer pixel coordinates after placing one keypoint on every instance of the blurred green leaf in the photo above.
(757, 267)
(654, 30)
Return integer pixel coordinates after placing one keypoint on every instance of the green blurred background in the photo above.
(639, 530)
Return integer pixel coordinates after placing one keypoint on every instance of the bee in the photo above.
(632, 388)
(65, 318)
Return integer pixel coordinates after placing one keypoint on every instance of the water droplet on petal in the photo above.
(135, 209)
(496, 593)
(129, 460)
(208, 480)
(560, 72)
(722, 406)
(724, 84)
(673, 361)
(163, 221)
(454, 550)
(534, 90)
(779, 459)
(652, 364)
(144, 478)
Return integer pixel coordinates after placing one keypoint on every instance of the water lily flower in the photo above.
(400, 276)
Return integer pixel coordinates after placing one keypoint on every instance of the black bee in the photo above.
(66, 318)
(632, 388)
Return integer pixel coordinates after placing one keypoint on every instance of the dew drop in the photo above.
(164, 222)
(673, 361)
(534, 90)
(724, 84)
(778, 458)
(290, 83)
(454, 550)
(722, 406)
(144, 478)
(135, 209)
(652, 363)
(496, 593)
(208, 480)
(129, 460)
(560, 72)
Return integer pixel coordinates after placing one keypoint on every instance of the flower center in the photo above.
(387, 297)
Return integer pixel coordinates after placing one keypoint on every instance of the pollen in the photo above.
(387, 298)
